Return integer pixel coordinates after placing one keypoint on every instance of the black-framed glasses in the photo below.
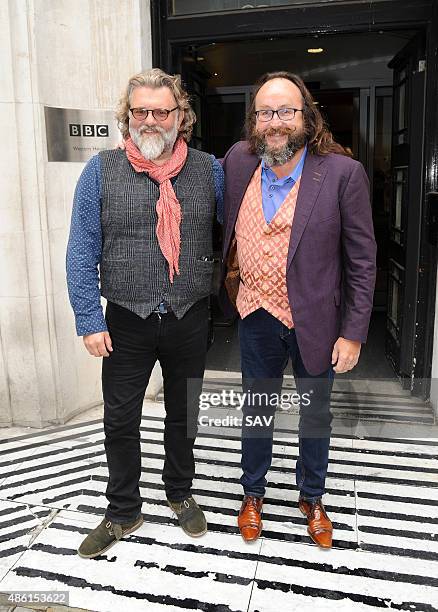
(159, 114)
(285, 114)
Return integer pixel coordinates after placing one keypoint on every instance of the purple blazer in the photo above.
(331, 264)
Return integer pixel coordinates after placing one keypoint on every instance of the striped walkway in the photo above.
(382, 496)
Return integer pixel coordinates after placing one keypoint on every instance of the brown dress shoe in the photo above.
(320, 528)
(250, 518)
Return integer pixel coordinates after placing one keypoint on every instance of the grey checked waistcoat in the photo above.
(133, 270)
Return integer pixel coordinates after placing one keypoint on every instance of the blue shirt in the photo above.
(84, 249)
(275, 190)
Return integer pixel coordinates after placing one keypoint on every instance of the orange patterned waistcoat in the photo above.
(262, 251)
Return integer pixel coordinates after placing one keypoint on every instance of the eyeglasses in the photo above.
(285, 114)
(159, 114)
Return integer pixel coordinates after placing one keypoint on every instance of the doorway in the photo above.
(230, 49)
(359, 113)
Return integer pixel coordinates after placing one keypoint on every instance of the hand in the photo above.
(98, 344)
(346, 354)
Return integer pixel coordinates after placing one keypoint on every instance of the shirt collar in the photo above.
(293, 176)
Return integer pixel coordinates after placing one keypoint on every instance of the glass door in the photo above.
(405, 208)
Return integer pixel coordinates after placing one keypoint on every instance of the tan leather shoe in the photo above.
(250, 518)
(320, 528)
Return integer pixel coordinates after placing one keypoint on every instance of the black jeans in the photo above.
(180, 346)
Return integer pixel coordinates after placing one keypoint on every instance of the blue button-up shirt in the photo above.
(275, 190)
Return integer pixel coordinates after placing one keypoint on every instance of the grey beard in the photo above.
(278, 157)
(155, 145)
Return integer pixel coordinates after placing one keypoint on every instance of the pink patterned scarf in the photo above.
(168, 207)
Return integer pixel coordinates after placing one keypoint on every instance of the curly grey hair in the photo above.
(157, 78)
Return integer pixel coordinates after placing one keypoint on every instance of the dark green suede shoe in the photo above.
(105, 535)
(190, 516)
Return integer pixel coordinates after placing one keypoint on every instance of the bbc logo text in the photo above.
(88, 130)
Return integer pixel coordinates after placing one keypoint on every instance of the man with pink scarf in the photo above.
(141, 236)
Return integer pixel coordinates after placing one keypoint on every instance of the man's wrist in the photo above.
(351, 340)
(87, 331)
(101, 331)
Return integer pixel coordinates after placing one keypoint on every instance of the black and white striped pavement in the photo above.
(382, 496)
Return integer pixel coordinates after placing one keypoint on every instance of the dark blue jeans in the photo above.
(266, 345)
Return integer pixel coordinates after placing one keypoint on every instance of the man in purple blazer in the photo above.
(299, 261)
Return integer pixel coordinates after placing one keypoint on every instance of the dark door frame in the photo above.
(169, 32)
(406, 205)
(426, 298)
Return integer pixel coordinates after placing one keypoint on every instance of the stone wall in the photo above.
(71, 55)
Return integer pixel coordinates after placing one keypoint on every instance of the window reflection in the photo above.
(193, 7)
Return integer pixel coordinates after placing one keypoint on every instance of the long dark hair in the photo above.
(320, 139)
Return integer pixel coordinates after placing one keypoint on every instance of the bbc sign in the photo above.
(88, 131)
(75, 135)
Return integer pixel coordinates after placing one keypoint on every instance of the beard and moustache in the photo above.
(157, 142)
(277, 156)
